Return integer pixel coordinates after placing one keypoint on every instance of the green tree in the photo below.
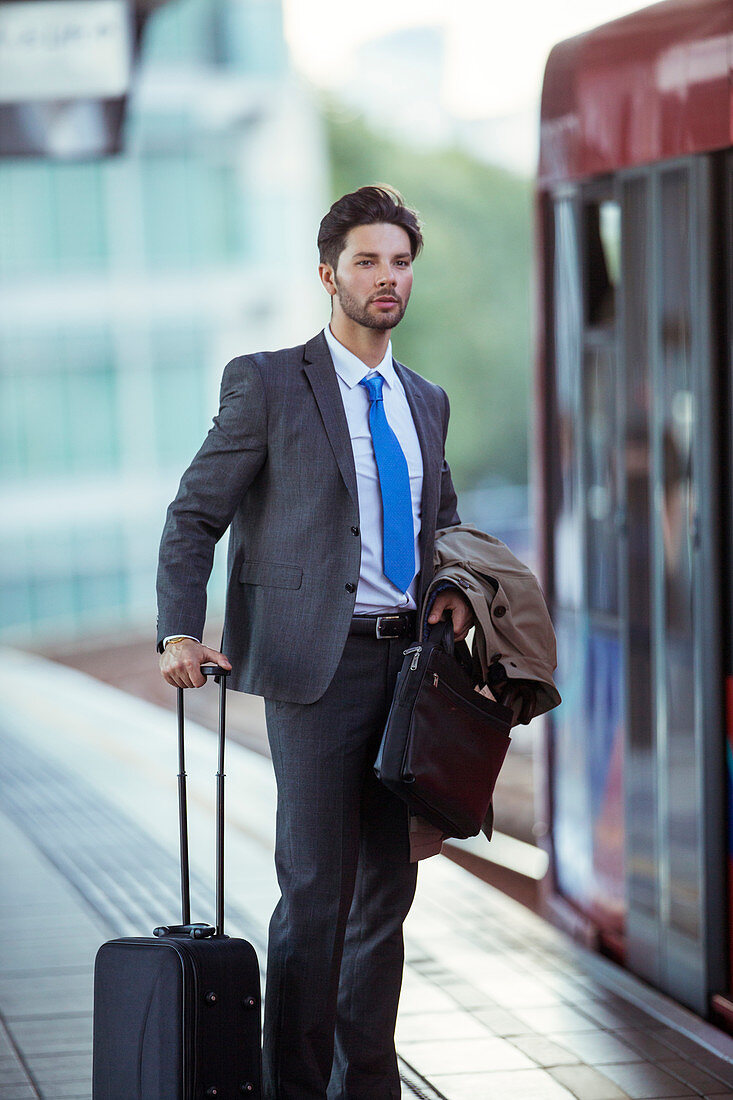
(468, 325)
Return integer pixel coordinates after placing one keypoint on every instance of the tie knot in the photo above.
(373, 386)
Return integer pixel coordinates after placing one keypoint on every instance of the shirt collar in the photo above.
(351, 369)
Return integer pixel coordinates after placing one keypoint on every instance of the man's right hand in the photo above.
(180, 663)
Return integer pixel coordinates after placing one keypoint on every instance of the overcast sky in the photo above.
(496, 51)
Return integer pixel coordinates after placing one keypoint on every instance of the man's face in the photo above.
(373, 277)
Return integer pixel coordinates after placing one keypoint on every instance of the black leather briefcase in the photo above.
(444, 743)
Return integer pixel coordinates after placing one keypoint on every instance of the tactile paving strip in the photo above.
(119, 870)
(130, 880)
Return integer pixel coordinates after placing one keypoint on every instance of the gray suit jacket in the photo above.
(277, 466)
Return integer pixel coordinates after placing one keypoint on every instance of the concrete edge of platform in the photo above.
(633, 989)
(507, 852)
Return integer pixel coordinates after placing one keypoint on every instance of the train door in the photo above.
(671, 574)
(636, 750)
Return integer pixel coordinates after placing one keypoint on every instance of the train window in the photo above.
(602, 254)
(567, 327)
(637, 452)
(675, 547)
(603, 258)
(600, 424)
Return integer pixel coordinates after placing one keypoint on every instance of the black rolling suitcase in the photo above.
(177, 1015)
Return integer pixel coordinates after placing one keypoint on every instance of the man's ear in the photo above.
(327, 276)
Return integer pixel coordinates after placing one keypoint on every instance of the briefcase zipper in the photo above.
(416, 650)
(445, 687)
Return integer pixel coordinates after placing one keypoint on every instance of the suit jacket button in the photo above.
(499, 612)
(355, 530)
(350, 587)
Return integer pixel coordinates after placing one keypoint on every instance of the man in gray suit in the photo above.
(327, 462)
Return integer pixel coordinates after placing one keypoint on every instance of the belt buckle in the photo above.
(396, 619)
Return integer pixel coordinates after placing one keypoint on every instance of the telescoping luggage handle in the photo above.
(200, 931)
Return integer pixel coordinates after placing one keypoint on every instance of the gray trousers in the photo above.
(335, 952)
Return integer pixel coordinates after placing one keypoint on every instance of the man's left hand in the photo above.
(450, 599)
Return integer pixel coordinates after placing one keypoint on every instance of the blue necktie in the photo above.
(394, 482)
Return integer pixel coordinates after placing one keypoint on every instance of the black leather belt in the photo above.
(400, 624)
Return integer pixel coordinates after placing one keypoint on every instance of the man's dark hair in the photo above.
(367, 206)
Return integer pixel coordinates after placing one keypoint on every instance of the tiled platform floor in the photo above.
(496, 1004)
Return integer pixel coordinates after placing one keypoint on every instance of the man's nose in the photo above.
(386, 275)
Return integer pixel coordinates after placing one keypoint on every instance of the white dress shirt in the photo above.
(375, 592)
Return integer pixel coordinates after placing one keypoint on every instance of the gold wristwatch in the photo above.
(178, 638)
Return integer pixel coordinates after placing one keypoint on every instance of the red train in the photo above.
(634, 390)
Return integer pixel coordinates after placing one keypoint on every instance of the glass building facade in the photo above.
(126, 284)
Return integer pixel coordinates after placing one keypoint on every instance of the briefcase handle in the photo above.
(441, 633)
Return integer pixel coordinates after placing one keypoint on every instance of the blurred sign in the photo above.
(64, 49)
(65, 69)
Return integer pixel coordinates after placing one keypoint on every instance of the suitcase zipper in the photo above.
(189, 1016)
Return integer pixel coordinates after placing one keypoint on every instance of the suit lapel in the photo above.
(321, 374)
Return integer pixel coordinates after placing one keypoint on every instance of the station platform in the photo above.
(496, 1003)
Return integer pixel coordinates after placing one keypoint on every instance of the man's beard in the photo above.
(361, 314)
